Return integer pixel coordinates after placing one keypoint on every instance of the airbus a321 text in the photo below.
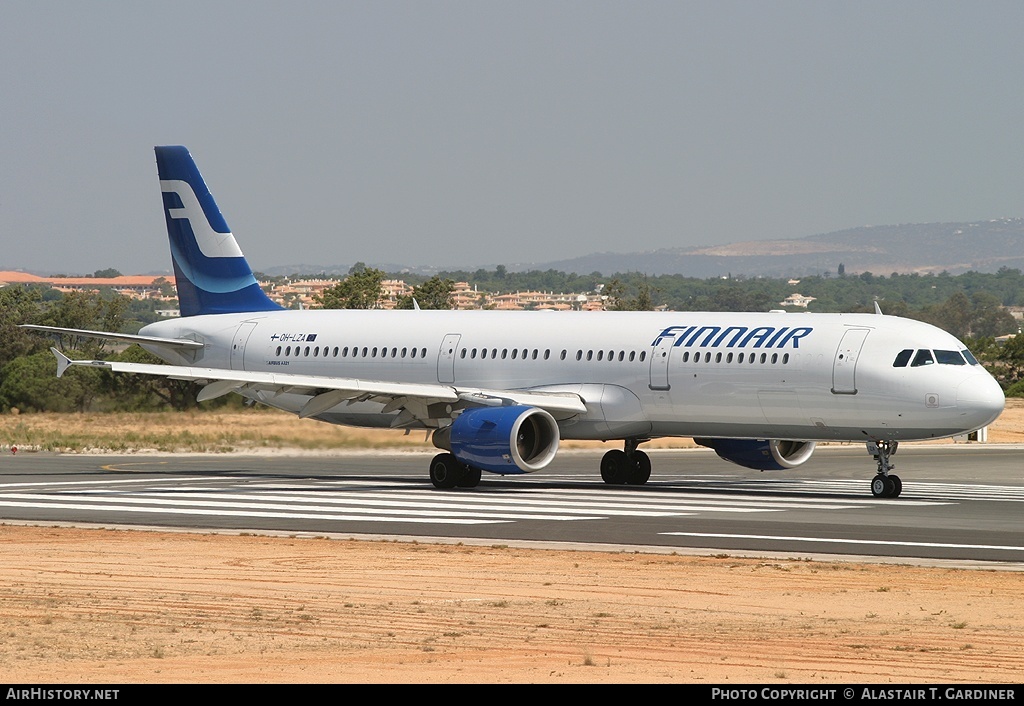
(499, 390)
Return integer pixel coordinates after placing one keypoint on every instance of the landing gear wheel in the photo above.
(885, 484)
(640, 470)
(470, 477)
(446, 471)
(615, 467)
(897, 485)
(884, 487)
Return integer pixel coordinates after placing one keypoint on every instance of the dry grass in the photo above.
(215, 431)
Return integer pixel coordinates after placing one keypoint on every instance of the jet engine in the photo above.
(761, 454)
(516, 439)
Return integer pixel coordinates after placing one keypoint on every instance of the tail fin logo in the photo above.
(210, 242)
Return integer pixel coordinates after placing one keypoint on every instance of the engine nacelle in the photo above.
(760, 454)
(518, 439)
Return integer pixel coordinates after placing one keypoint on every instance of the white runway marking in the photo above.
(390, 500)
(833, 540)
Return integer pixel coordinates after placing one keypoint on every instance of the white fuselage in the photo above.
(641, 374)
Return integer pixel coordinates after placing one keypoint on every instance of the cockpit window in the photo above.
(949, 358)
(902, 358)
(970, 357)
(923, 357)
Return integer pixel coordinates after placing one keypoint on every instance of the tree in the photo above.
(362, 289)
(30, 383)
(108, 273)
(19, 305)
(148, 392)
(435, 293)
(617, 299)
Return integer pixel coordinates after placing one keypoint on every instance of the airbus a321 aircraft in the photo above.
(500, 389)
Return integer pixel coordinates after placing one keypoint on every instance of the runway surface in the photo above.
(960, 502)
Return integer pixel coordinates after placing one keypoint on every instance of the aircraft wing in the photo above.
(413, 399)
(180, 343)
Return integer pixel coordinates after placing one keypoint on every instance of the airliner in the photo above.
(497, 391)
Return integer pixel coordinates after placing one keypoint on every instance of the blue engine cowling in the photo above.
(516, 439)
(761, 454)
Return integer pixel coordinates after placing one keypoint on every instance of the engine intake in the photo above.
(516, 439)
(761, 454)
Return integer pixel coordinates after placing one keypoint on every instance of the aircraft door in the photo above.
(844, 368)
(245, 329)
(446, 357)
(660, 355)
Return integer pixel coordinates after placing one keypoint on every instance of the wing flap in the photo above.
(327, 392)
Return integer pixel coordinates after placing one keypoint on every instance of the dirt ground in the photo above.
(118, 606)
(115, 606)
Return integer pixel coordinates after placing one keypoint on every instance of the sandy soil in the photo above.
(119, 606)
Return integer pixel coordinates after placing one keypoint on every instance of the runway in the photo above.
(959, 502)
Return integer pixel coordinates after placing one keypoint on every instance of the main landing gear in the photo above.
(885, 484)
(447, 472)
(627, 467)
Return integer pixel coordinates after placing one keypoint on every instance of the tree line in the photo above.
(969, 306)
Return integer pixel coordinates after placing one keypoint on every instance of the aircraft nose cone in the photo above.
(980, 400)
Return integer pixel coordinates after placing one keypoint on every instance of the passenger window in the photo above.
(923, 357)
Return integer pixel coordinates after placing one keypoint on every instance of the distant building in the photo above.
(797, 299)
(133, 286)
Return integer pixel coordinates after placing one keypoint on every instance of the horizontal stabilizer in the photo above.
(179, 343)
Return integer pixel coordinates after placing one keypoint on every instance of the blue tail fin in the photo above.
(211, 272)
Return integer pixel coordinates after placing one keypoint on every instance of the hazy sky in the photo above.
(476, 133)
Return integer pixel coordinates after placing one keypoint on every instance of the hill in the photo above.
(908, 248)
(984, 246)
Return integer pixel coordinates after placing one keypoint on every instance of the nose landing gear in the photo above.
(885, 484)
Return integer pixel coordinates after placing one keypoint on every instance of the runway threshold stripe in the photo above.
(832, 540)
(527, 507)
(256, 513)
(244, 501)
